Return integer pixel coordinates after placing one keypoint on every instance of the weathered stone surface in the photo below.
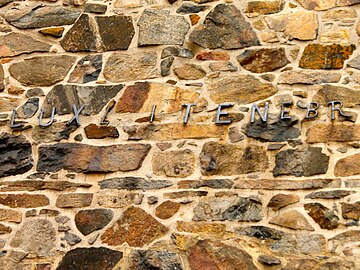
(87, 69)
(28, 109)
(318, 56)
(263, 60)
(348, 166)
(324, 5)
(227, 159)
(322, 216)
(273, 130)
(5, 2)
(13, 44)
(328, 93)
(116, 32)
(165, 65)
(167, 209)
(15, 155)
(174, 163)
(5, 229)
(71, 239)
(123, 66)
(202, 228)
(341, 132)
(142, 96)
(297, 25)
(73, 200)
(36, 236)
(242, 89)
(292, 219)
(42, 70)
(261, 232)
(94, 131)
(95, 8)
(33, 185)
(187, 8)
(303, 264)
(279, 201)
(56, 132)
(24, 200)
(135, 227)
(154, 259)
(62, 97)
(354, 62)
(301, 162)
(268, 260)
(351, 210)
(81, 37)
(55, 32)
(303, 243)
(308, 77)
(9, 215)
(185, 194)
(88, 158)
(7, 104)
(133, 183)
(90, 258)
(41, 16)
(256, 8)
(177, 52)
(88, 221)
(222, 66)
(158, 27)
(118, 199)
(175, 131)
(213, 255)
(332, 194)
(189, 72)
(225, 27)
(213, 55)
(209, 183)
(237, 208)
(348, 236)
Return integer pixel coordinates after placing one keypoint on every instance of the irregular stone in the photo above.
(301, 264)
(279, 201)
(256, 8)
(165, 66)
(274, 184)
(24, 200)
(242, 89)
(33, 185)
(274, 130)
(292, 219)
(202, 228)
(174, 131)
(174, 163)
(34, 92)
(268, 260)
(9, 215)
(187, 8)
(176, 51)
(354, 62)
(5, 2)
(227, 159)
(73, 200)
(7, 104)
(167, 209)
(88, 221)
(87, 69)
(351, 211)
(222, 66)
(56, 132)
(87, 258)
(238, 208)
(324, 5)
(189, 72)
(158, 27)
(322, 216)
(260, 232)
(212, 255)
(342, 15)
(308, 77)
(341, 132)
(224, 27)
(40, 16)
(62, 97)
(318, 56)
(55, 32)
(348, 166)
(135, 227)
(94, 131)
(297, 25)
(332, 194)
(95, 8)
(14, 44)
(2, 78)
(142, 96)
(263, 60)
(213, 55)
(133, 183)
(42, 70)
(118, 199)
(153, 259)
(303, 243)
(29, 108)
(340, 37)
(305, 162)
(71, 239)
(329, 93)
(5, 229)
(122, 66)
(36, 236)
(183, 194)
(210, 183)
(348, 236)
(113, 27)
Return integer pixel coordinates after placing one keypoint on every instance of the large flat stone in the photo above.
(308, 77)
(348, 166)
(133, 183)
(179, 163)
(342, 132)
(326, 93)
(292, 219)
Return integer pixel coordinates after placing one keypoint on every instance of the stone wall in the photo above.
(126, 185)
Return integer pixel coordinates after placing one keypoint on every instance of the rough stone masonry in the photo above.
(98, 170)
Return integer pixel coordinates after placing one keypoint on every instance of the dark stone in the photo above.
(90, 258)
(95, 8)
(351, 210)
(71, 239)
(153, 259)
(88, 221)
(116, 32)
(209, 183)
(306, 162)
(273, 130)
(15, 155)
(29, 109)
(165, 65)
(81, 37)
(176, 51)
(134, 183)
(34, 92)
(187, 8)
(332, 194)
(87, 69)
(41, 16)
(56, 132)
(268, 260)
(261, 232)
(322, 216)
(225, 27)
(94, 131)
(62, 97)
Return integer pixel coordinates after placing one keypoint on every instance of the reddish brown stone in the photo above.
(351, 210)
(322, 216)
(88, 221)
(167, 209)
(348, 166)
(24, 200)
(54, 31)
(256, 8)
(72, 200)
(281, 200)
(213, 55)
(135, 227)
(94, 131)
(194, 18)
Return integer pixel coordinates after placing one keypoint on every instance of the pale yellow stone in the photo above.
(269, 37)
(341, 37)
